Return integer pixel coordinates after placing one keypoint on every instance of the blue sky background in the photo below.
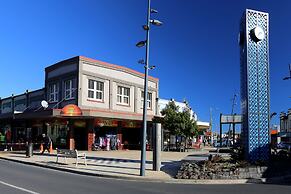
(196, 50)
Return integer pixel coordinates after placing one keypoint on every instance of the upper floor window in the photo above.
(6, 105)
(123, 94)
(69, 89)
(149, 99)
(53, 93)
(95, 90)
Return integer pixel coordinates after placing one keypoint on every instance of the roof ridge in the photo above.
(116, 66)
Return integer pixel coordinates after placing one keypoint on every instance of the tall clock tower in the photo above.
(255, 84)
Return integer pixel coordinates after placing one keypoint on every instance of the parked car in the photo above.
(280, 145)
(224, 143)
(283, 145)
(217, 143)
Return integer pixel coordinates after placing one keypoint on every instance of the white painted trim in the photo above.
(19, 188)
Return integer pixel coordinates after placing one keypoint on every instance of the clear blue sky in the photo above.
(196, 50)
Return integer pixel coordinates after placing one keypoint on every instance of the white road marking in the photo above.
(19, 188)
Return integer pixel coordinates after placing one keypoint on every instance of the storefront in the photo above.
(57, 130)
(113, 134)
(73, 128)
(5, 135)
(86, 132)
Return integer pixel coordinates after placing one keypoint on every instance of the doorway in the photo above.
(81, 138)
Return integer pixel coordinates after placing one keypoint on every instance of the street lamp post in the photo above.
(145, 96)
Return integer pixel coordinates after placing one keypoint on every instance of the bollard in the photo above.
(51, 148)
(41, 148)
(157, 147)
(29, 149)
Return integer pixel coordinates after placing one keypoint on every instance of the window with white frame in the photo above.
(69, 89)
(123, 94)
(95, 90)
(53, 93)
(149, 100)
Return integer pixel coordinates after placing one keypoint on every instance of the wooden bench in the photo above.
(71, 154)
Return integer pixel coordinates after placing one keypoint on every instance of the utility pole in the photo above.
(232, 110)
(210, 127)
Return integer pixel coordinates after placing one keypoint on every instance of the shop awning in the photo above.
(86, 113)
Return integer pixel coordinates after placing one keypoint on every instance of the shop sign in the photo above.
(35, 124)
(60, 122)
(71, 110)
(273, 132)
(208, 133)
(106, 123)
(131, 124)
(201, 129)
(80, 123)
(226, 119)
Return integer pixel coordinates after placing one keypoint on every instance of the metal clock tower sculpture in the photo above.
(255, 103)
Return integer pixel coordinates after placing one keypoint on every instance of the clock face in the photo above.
(258, 34)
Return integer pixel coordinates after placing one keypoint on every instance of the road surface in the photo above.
(20, 178)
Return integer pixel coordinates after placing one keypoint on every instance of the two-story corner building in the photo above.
(88, 101)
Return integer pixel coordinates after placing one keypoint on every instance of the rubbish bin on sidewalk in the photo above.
(29, 150)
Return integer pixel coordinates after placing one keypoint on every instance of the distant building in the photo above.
(182, 105)
(285, 127)
(274, 132)
(203, 127)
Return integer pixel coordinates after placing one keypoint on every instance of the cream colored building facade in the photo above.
(107, 97)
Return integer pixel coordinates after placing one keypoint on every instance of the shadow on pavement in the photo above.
(117, 159)
(20, 156)
(102, 164)
(111, 166)
(87, 168)
(171, 168)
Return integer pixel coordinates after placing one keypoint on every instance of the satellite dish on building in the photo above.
(44, 104)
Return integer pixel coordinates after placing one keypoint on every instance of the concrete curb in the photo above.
(70, 170)
(276, 180)
(149, 179)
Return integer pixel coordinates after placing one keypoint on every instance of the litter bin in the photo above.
(29, 150)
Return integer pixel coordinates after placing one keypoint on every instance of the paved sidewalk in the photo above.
(126, 165)
(117, 164)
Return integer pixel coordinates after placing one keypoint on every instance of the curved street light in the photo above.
(272, 115)
(156, 22)
(141, 43)
(147, 67)
(286, 78)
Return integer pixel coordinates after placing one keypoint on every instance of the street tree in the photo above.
(179, 123)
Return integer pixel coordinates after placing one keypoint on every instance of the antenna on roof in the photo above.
(44, 104)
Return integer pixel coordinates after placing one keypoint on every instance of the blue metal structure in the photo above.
(255, 101)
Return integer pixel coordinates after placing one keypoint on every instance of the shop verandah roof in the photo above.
(86, 114)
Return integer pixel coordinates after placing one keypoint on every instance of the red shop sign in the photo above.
(71, 110)
(106, 123)
(131, 124)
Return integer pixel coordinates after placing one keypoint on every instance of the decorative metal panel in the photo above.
(255, 85)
